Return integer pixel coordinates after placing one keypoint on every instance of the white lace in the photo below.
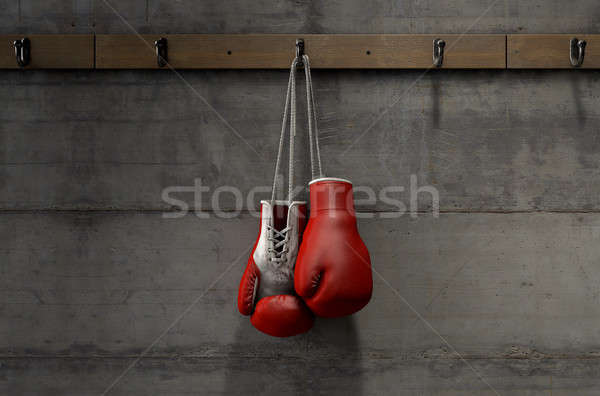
(279, 240)
(290, 102)
(313, 131)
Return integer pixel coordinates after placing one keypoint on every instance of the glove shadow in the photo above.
(334, 357)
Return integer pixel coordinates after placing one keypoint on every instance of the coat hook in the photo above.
(300, 51)
(22, 51)
(161, 52)
(438, 52)
(577, 51)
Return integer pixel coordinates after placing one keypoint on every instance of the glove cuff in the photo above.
(330, 193)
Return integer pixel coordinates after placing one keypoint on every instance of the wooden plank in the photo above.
(51, 51)
(275, 51)
(549, 51)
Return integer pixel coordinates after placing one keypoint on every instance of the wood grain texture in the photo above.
(54, 51)
(268, 51)
(549, 51)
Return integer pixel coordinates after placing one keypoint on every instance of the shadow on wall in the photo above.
(335, 366)
(326, 360)
(435, 99)
(576, 94)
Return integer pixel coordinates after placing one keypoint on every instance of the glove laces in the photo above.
(277, 252)
(279, 239)
(313, 131)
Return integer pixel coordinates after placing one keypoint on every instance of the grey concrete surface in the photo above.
(303, 376)
(507, 291)
(272, 16)
(91, 274)
(485, 140)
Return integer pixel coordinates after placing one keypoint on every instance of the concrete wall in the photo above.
(499, 295)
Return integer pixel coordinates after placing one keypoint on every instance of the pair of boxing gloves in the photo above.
(298, 270)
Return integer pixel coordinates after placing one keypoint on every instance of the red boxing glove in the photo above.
(267, 288)
(333, 269)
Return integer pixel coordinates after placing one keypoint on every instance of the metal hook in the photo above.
(300, 51)
(22, 51)
(161, 52)
(438, 52)
(577, 52)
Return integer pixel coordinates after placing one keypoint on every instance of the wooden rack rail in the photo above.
(276, 51)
